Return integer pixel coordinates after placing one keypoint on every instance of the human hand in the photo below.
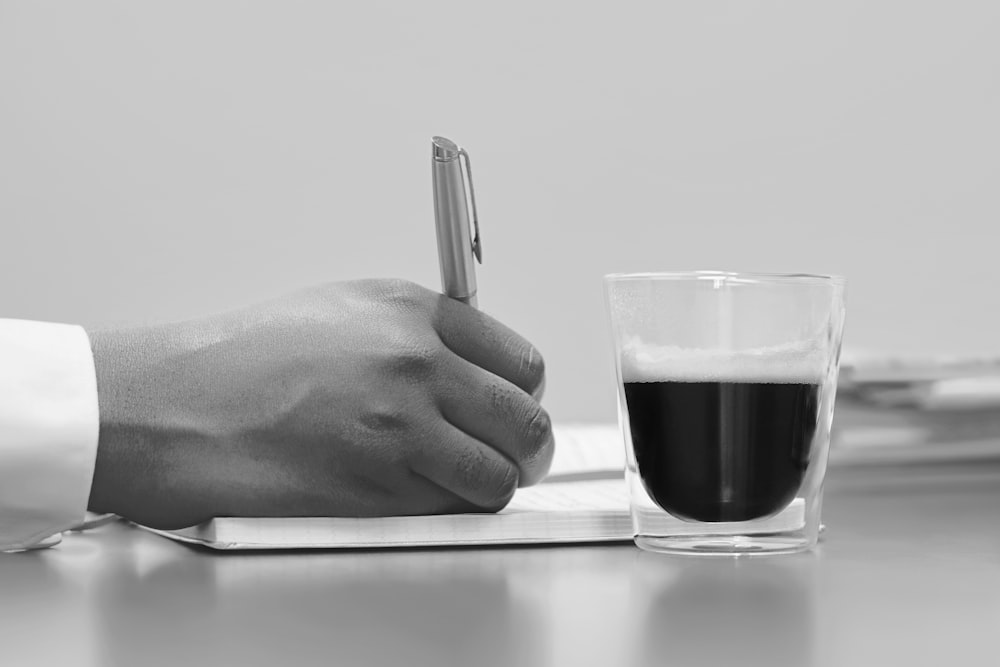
(367, 398)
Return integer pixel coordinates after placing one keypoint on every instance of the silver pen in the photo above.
(458, 249)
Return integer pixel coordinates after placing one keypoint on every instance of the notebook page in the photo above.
(584, 449)
(553, 513)
(571, 497)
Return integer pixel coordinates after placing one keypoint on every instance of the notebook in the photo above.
(583, 499)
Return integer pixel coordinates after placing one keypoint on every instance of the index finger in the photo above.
(485, 342)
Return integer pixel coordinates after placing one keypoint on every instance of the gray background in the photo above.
(165, 160)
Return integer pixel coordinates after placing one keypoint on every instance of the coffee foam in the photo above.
(790, 363)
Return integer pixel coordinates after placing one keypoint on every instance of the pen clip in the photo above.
(477, 244)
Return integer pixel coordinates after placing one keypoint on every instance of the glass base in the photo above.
(724, 545)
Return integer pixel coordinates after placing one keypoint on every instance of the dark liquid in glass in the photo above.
(722, 451)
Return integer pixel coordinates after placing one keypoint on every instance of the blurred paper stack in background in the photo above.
(908, 411)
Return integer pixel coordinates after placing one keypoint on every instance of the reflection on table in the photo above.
(907, 573)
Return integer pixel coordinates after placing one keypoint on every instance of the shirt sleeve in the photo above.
(48, 429)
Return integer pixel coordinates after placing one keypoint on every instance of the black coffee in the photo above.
(722, 451)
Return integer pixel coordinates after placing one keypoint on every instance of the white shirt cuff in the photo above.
(49, 428)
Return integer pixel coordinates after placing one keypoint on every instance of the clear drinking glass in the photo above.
(726, 385)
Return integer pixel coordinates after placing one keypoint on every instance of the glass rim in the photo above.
(748, 276)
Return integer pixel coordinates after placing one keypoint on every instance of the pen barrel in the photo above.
(451, 214)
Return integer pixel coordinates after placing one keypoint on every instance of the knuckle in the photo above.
(505, 488)
(413, 361)
(401, 293)
(527, 419)
(383, 418)
(500, 399)
(533, 366)
(494, 482)
(537, 433)
(530, 363)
